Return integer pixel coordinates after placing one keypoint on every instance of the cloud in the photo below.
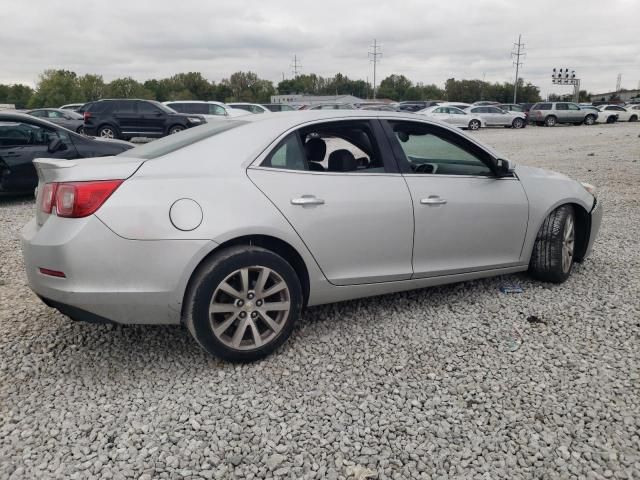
(428, 41)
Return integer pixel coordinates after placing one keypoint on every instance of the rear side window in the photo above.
(562, 106)
(18, 134)
(124, 106)
(98, 107)
(190, 108)
(289, 154)
(541, 106)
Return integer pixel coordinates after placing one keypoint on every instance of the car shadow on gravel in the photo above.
(10, 200)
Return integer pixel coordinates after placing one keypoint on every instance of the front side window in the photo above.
(39, 113)
(55, 114)
(573, 106)
(431, 150)
(145, 108)
(216, 109)
(19, 134)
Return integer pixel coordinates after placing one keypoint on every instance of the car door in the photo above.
(499, 116)
(151, 118)
(59, 119)
(457, 117)
(442, 114)
(483, 113)
(466, 218)
(126, 117)
(20, 144)
(562, 112)
(575, 113)
(352, 210)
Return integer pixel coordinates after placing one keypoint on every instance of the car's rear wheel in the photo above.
(474, 124)
(517, 123)
(553, 252)
(550, 121)
(243, 303)
(176, 129)
(633, 118)
(611, 119)
(589, 120)
(107, 131)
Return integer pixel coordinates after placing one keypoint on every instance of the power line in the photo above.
(373, 57)
(519, 52)
(295, 66)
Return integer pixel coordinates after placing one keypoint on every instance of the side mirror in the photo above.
(504, 168)
(55, 145)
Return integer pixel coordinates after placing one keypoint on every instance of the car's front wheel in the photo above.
(553, 252)
(517, 123)
(243, 303)
(176, 129)
(589, 120)
(474, 124)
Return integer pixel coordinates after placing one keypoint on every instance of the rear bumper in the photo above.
(596, 220)
(108, 277)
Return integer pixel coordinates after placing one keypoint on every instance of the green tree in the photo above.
(248, 87)
(18, 94)
(92, 87)
(55, 88)
(127, 88)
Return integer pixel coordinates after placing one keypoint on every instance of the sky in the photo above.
(427, 41)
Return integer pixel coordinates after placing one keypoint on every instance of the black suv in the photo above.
(134, 118)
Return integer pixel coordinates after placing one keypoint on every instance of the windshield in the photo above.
(171, 143)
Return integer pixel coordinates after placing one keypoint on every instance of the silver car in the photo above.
(231, 228)
(497, 117)
(65, 118)
(454, 116)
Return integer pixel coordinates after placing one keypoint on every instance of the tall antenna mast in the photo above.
(516, 54)
(295, 66)
(374, 53)
(619, 83)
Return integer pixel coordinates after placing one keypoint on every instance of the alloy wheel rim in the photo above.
(249, 308)
(568, 243)
(175, 130)
(474, 125)
(106, 133)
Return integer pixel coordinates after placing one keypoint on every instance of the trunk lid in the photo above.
(52, 170)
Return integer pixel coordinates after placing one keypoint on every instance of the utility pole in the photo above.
(295, 66)
(519, 52)
(373, 55)
(619, 83)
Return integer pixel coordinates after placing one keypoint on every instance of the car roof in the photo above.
(194, 101)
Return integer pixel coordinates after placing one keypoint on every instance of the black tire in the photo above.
(80, 130)
(546, 262)
(103, 131)
(589, 120)
(205, 284)
(518, 123)
(633, 118)
(540, 124)
(611, 119)
(176, 129)
(550, 121)
(474, 125)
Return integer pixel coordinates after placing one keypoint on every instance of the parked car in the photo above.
(511, 107)
(496, 117)
(454, 116)
(422, 103)
(294, 213)
(250, 107)
(485, 103)
(24, 138)
(460, 105)
(624, 114)
(125, 119)
(552, 113)
(208, 109)
(71, 106)
(279, 107)
(602, 117)
(65, 118)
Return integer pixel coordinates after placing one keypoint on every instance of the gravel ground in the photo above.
(454, 382)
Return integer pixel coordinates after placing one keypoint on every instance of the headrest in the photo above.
(342, 161)
(316, 167)
(316, 149)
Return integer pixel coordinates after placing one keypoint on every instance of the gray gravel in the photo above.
(451, 382)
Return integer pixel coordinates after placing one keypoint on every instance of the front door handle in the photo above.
(433, 200)
(307, 200)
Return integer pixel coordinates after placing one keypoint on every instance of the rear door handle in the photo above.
(307, 200)
(433, 200)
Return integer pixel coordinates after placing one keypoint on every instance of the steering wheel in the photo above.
(425, 168)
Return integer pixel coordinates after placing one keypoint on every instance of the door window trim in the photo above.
(379, 140)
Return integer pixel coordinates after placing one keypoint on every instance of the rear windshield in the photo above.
(171, 143)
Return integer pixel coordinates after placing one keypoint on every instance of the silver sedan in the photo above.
(233, 227)
(496, 117)
(454, 116)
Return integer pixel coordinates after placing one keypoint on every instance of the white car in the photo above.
(208, 109)
(250, 107)
(460, 105)
(625, 114)
(453, 116)
(496, 117)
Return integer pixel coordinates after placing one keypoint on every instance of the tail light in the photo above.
(77, 199)
(86, 116)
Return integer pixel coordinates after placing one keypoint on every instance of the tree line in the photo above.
(58, 87)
